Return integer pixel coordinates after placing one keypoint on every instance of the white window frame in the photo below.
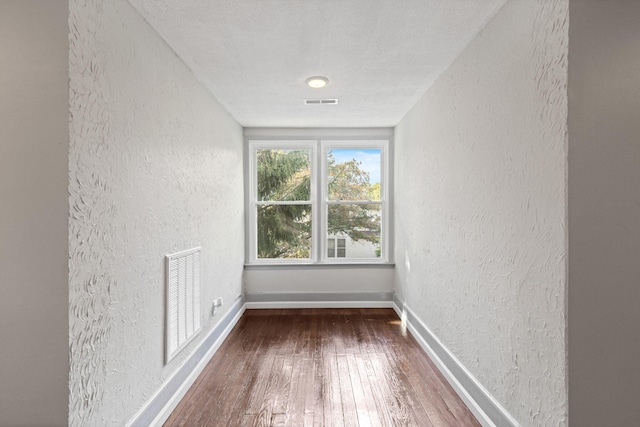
(319, 198)
(254, 146)
(383, 146)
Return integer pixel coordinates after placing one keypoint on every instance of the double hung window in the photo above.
(315, 201)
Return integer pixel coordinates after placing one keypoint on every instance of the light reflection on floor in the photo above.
(403, 326)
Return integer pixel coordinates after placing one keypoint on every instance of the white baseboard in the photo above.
(320, 304)
(477, 398)
(160, 406)
(319, 300)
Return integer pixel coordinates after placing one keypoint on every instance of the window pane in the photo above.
(354, 174)
(331, 248)
(284, 231)
(284, 175)
(358, 226)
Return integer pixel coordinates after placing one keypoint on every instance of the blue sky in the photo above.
(370, 158)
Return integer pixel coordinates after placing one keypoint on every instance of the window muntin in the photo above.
(325, 208)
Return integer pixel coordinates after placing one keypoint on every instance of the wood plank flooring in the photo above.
(320, 367)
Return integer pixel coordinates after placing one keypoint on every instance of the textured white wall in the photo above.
(34, 141)
(155, 166)
(604, 213)
(480, 209)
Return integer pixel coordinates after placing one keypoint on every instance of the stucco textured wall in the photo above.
(155, 167)
(481, 209)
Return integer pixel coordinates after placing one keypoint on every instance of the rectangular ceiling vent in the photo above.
(320, 102)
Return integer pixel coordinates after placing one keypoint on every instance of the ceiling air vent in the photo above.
(320, 102)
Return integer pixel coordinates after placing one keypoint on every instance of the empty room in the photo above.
(319, 212)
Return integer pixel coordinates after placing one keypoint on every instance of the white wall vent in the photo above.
(183, 300)
(321, 102)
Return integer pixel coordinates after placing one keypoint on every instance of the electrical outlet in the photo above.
(217, 303)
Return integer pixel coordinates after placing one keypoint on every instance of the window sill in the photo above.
(318, 266)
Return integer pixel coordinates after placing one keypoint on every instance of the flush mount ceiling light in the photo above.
(317, 82)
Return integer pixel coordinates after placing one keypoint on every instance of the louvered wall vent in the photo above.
(183, 300)
(320, 102)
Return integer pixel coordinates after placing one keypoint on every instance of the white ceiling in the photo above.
(380, 56)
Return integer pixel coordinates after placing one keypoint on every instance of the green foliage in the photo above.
(347, 181)
(284, 231)
(284, 175)
(360, 222)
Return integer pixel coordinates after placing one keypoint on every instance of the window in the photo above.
(315, 201)
(336, 248)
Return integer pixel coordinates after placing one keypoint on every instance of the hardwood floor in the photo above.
(320, 367)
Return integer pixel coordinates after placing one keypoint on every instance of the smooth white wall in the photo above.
(34, 141)
(480, 209)
(354, 279)
(604, 213)
(155, 167)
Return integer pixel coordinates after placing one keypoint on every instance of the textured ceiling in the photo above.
(380, 56)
